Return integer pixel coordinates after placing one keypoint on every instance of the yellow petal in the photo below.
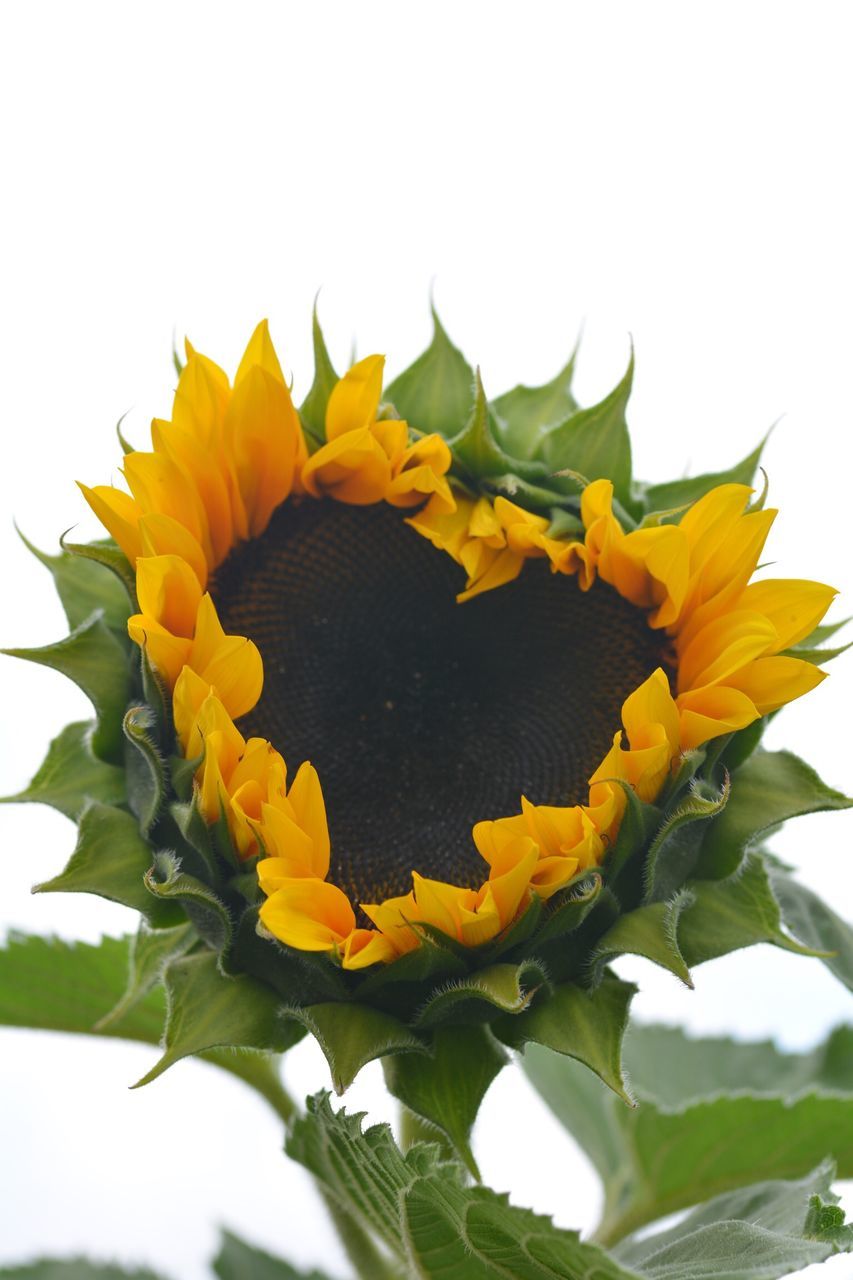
(168, 591)
(119, 513)
(708, 713)
(162, 535)
(772, 682)
(205, 464)
(795, 606)
(188, 698)
(354, 400)
(166, 652)
(306, 798)
(724, 646)
(365, 947)
(231, 663)
(352, 468)
(395, 918)
(311, 915)
(651, 704)
(260, 351)
(262, 433)
(159, 484)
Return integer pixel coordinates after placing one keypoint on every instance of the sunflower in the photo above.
(431, 708)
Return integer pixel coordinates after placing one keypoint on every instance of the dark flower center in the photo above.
(423, 716)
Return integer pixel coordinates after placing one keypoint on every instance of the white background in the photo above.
(674, 171)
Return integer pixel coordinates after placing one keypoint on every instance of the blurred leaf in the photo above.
(74, 1269)
(71, 776)
(810, 919)
(237, 1260)
(437, 391)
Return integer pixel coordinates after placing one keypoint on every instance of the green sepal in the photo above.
(817, 639)
(675, 848)
(309, 976)
(726, 915)
(517, 933)
(498, 989)
(477, 452)
(182, 775)
(445, 1089)
(639, 823)
(595, 441)
(817, 657)
(738, 747)
(111, 859)
(816, 925)
(158, 697)
(208, 1010)
(197, 848)
(150, 951)
(169, 884)
(524, 412)
(71, 776)
(145, 768)
(651, 932)
(312, 411)
(567, 910)
(435, 393)
(770, 788)
(109, 556)
(399, 986)
(83, 585)
(588, 1025)
(352, 1035)
(98, 663)
(126, 446)
(679, 493)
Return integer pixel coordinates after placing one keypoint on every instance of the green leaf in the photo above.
(675, 848)
(477, 450)
(501, 988)
(71, 776)
(571, 907)
(725, 915)
(770, 788)
(525, 411)
(97, 661)
(810, 919)
(657, 1159)
(352, 1035)
(595, 441)
(584, 1024)
(111, 859)
(72, 986)
(437, 391)
(150, 952)
(312, 411)
(144, 766)
(678, 493)
(760, 1232)
(73, 1269)
(109, 556)
(83, 586)
(182, 893)
(447, 1088)
(651, 932)
(237, 1260)
(207, 1010)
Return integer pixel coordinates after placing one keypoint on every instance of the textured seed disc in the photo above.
(423, 716)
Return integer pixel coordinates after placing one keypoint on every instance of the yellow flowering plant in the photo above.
(414, 709)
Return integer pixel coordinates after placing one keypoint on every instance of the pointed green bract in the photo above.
(150, 952)
(498, 989)
(312, 411)
(145, 769)
(71, 777)
(652, 932)
(106, 554)
(771, 787)
(446, 1089)
(477, 450)
(811, 920)
(595, 441)
(437, 391)
(181, 893)
(111, 859)
(725, 915)
(677, 493)
(675, 848)
(351, 1035)
(583, 1024)
(524, 412)
(83, 585)
(97, 662)
(207, 1010)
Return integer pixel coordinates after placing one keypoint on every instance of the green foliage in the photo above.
(815, 924)
(312, 411)
(523, 414)
(587, 1025)
(111, 859)
(96, 660)
(682, 1145)
(207, 1010)
(150, 952)
(678, 493)
(501, 988)
(437, 391)
(770, 788)
(71, 776)
(651, 932)
(351, 1035)
(237, 1260)
(145, 768)
(446, 1089)
(180, 893)
(73, 1269)
(85, 585)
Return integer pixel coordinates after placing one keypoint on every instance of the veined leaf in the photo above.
(111, 859)
(70, 776)
(655, 1160)
(437, 391)
(98, 663)
(769, 788)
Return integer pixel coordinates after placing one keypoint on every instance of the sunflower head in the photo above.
(414, 709)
